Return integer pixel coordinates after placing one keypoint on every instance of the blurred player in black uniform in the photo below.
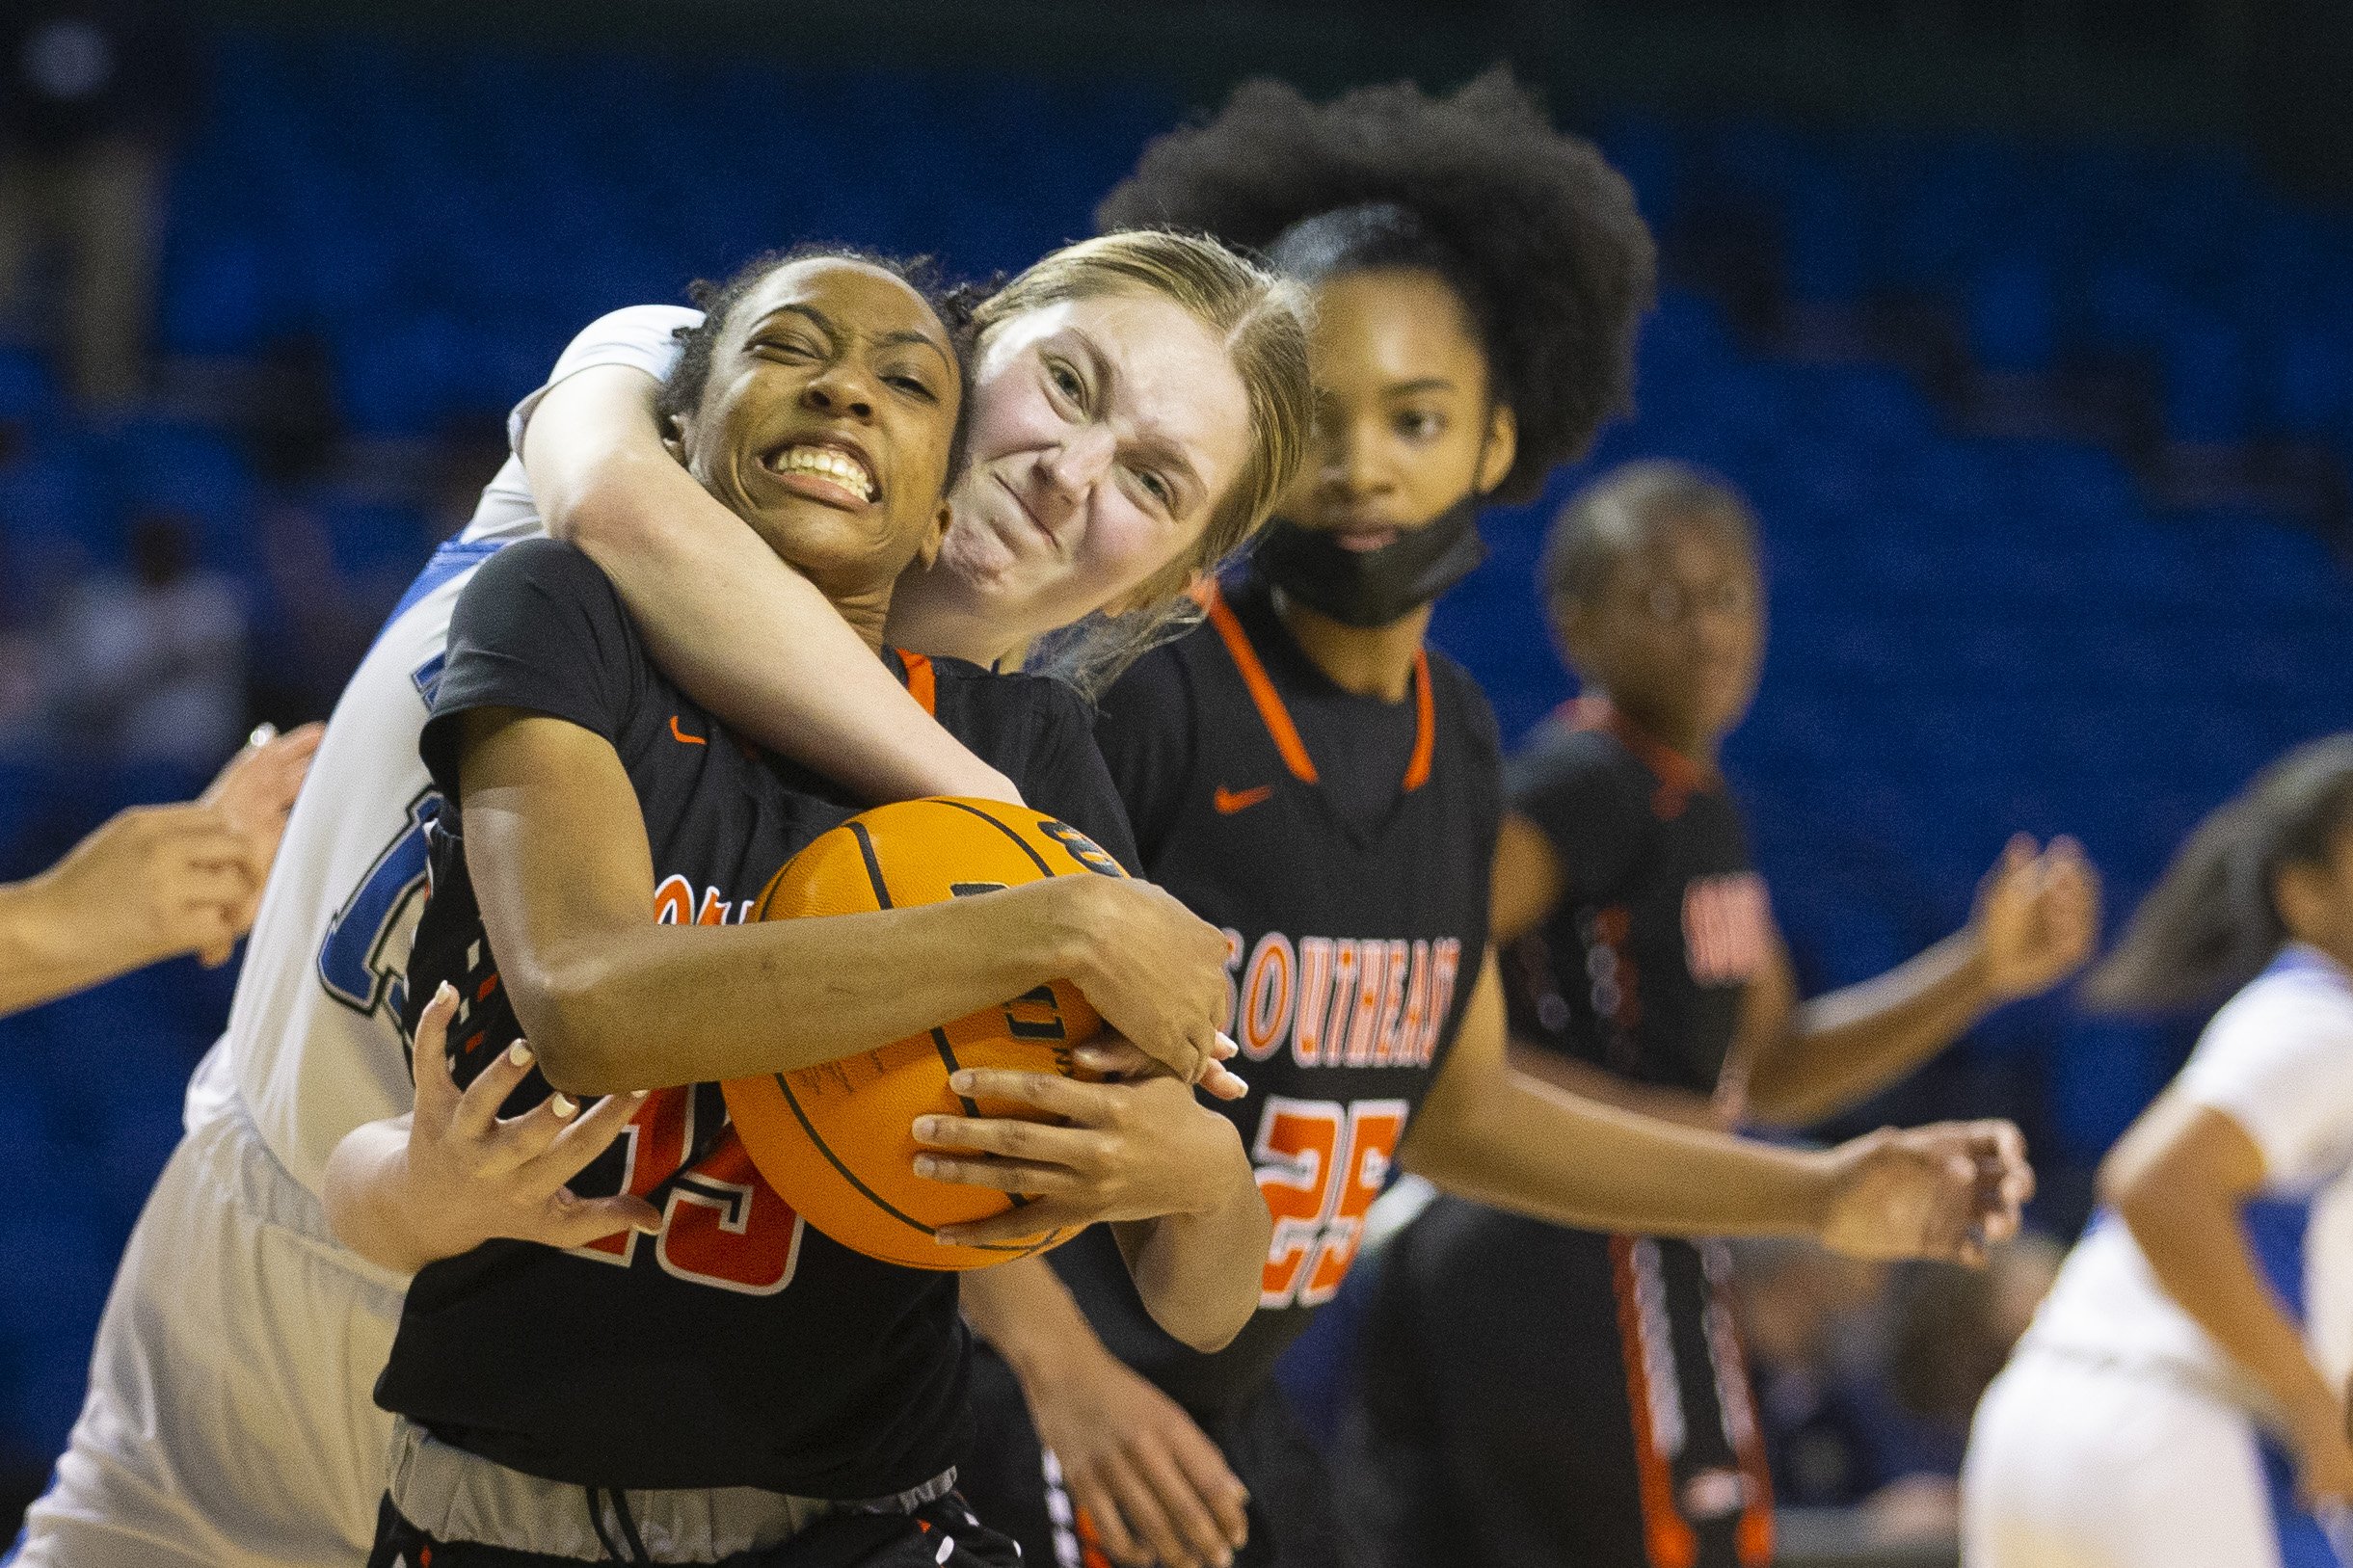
(1303, 772)
(733, 1386)
(1536, 1394)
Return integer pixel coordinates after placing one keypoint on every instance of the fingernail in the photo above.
(648, 1227)
(444, 994)
(639, 1094)
(564, 1106)
(520, 1053)
(263, 733)
(927, 1128)
(1227, 1041)
(961, 1082)
(926, 1165)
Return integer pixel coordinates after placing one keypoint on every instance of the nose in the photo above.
(841, 388)
(1352, 467)
(1075, 468)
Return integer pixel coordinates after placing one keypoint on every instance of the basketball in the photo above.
(834, 1140)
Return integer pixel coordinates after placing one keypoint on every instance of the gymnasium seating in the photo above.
(1971, 634)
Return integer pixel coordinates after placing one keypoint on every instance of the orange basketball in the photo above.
(835, 1140)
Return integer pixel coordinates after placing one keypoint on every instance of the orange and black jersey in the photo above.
(737, 1347)
(1344, 844)
(1660, 922)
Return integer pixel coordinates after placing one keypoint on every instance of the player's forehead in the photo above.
(849, 300)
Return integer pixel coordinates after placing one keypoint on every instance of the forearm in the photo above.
(369, 1207)
(1845, 1046)
(47, 952)
(2198, 1249)
(1024, 1312)
(1199, 1273)
(1588, 1082)
(646, 1006)
(1525, 1146)
(739, 630)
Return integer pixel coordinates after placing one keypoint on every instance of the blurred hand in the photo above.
(254, 795)
(2037, 916)
(470, 1176)
(1138, 1469)
(1945, 1190)
(150, 883)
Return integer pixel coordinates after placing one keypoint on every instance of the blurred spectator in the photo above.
(1810, 1322)
(93, 92)
(153, 667)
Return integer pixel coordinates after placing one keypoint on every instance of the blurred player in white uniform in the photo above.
(2180, 1399)
(229, 1418)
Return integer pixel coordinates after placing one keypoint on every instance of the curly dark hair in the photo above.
(1536, 232)
(952, 302)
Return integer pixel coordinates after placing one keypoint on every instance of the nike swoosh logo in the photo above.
(1229, 801)
(677, 734)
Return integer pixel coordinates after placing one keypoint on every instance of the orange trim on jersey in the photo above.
(680, 735)
(1424, 724)
(1277, 718)
(1666, 1535)
(1679, 777)
(1263, 694)
(923, 680)
(1753, 1537)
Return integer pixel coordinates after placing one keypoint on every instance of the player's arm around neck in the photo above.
(556, 848)
(1503, 1138)
(740, 632)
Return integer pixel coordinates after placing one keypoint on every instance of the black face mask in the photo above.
(1373, 588)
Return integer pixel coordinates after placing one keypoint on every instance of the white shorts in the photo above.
(229, 1420)
(2079, 1464)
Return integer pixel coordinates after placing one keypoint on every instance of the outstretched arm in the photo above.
(555, 845)
(739, 630)
(2036, 921)
(1506, 1139)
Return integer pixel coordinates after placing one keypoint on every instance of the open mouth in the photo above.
(824, 471)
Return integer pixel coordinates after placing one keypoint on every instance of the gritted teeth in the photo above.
(830, 462)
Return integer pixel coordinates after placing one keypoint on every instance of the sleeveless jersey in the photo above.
(1660, 922)
(1355, 914)
(312, 1046)
(737, 1347)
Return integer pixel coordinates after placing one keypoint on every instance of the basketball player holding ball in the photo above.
(740, 1387)
(1303, 772)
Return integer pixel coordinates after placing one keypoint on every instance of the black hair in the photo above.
(952, 302)
(1534, 232)
(1622, 513)
(2212, 923)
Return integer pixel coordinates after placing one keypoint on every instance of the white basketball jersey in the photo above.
(313, 1046)
(2278, 1060)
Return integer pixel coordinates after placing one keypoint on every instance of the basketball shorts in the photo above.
(2081, 1462)
(448, 1509)
(229, 1422)
(1530, 1397)
(1015, 1484)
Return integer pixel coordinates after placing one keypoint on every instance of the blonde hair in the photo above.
(1261, 319)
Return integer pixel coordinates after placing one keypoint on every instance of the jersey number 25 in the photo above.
(1321, 1165)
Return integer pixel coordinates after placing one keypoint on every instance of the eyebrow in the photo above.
(1421, 384)
(825, 324)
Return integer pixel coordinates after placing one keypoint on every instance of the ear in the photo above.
(676, 432)
(1502, 448)
(2301, 895)
(929, 551)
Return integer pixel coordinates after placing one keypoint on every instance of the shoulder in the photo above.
(1557, 755)
(642, 337)
(1002, 715)
(547, 568)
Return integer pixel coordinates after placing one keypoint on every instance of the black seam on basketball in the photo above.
(948, 1055)
(1035, 859)
(874, 867)
(868, 1192)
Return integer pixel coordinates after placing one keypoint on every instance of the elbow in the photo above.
(557, 1008)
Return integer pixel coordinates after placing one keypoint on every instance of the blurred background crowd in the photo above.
(2027, 325)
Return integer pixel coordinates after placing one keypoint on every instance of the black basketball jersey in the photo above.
(1355, 920)
(737, 1347)
(1661, 922)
